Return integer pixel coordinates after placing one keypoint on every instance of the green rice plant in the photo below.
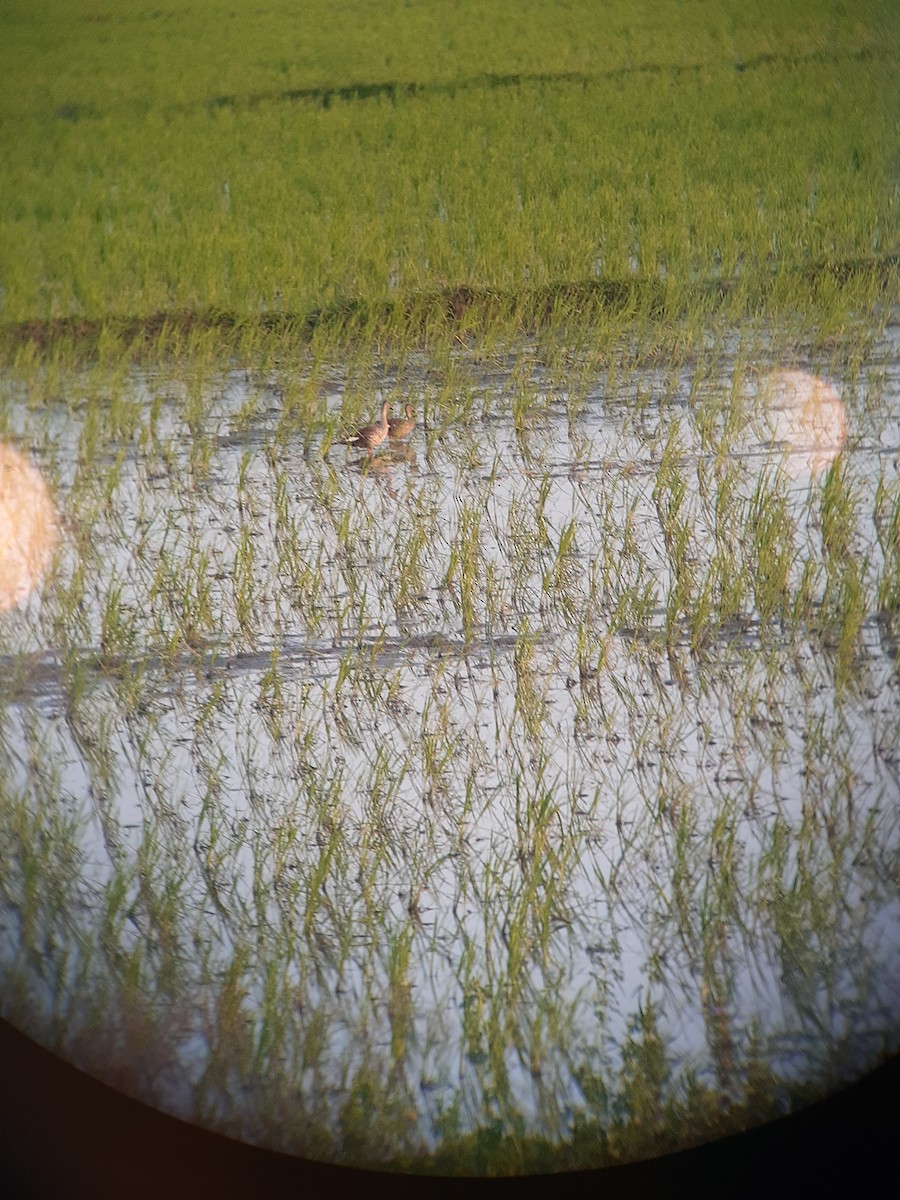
(731, 583)
(400, 1003)
(118, 640)
(770, 532)
(887, 525)
(838, 513)
(409, 569)
(244, 579)
(560, 578)
(465, 566)
(530, 702)
(846, 607)
(544, 238)
(222, 712)
(645, 1071)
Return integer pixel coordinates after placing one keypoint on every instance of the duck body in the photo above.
(372, 435)
(401, 427)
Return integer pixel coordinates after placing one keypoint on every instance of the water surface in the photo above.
(559, 735)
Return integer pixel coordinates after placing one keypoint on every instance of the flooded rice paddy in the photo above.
(542, 770)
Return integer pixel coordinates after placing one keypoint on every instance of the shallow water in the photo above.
(461, 759)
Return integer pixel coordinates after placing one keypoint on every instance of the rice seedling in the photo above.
(524, 797)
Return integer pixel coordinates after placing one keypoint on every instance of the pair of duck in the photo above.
(394, 428)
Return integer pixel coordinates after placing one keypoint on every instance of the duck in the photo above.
(401, 427)
(372, 435)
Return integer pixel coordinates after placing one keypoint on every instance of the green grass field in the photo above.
(369, 158)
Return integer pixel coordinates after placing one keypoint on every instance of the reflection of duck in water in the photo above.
(372, 435)
(401, 427)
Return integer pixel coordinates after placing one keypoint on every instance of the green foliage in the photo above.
(316, 160)
(418, 806)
